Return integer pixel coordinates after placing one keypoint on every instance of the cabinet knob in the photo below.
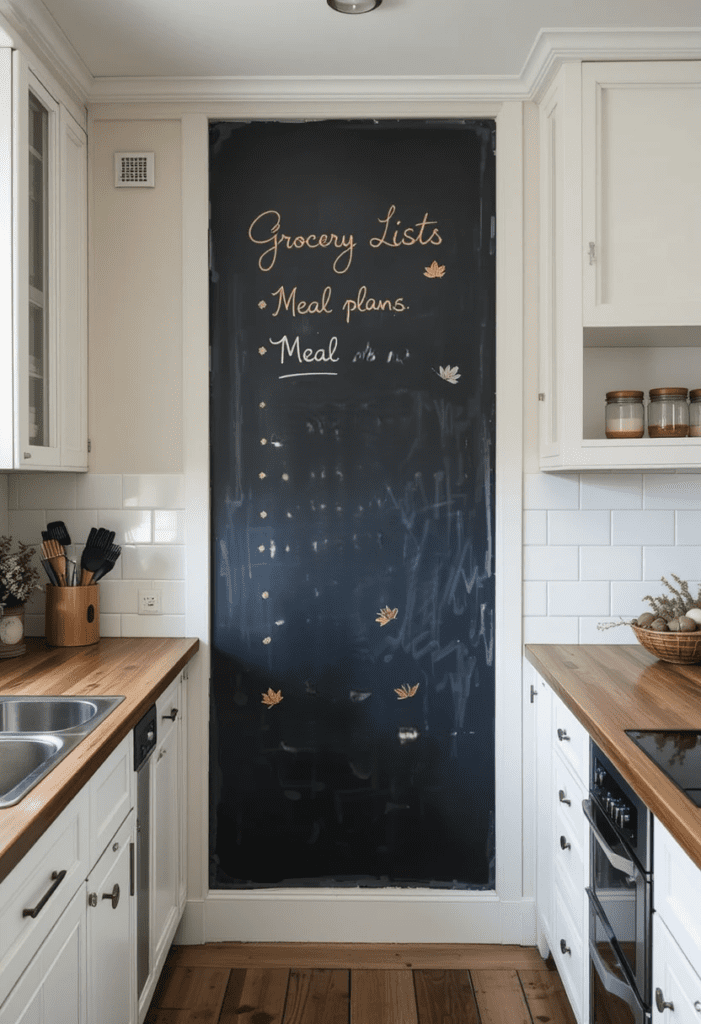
(113, 896)
(697, 1005)
(564, 845)
(92, 899)
(562, 797)
(660, 1002)
(564, 948)
(562, 735)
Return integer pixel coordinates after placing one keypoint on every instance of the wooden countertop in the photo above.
(140, 669)
(612, 688)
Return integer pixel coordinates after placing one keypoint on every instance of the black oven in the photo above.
(620, 898)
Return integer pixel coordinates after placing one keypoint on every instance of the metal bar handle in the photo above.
(172, 716)
(617, 861)
(56, 877)
(611, 983)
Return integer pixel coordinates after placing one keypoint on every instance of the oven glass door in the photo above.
(622, 892)
(614, 999)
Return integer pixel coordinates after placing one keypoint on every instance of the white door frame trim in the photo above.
(382, 915)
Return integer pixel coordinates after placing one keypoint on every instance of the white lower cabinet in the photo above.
(111, 931)
(52, 990)
(676, 936)
(562, 862)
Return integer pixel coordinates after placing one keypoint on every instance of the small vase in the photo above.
(12, 632)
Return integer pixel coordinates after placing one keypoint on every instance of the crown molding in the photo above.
(30, 23)
(402, 95)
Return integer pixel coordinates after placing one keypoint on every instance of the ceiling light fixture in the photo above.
(353, 6)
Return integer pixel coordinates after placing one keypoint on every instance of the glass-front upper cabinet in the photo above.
(43, 224)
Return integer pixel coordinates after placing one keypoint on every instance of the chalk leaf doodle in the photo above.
(434, 270)
(272, 697)
(404, 691)
(449, 373)
(386, 615)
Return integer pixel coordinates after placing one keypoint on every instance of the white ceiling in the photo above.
(264, 38)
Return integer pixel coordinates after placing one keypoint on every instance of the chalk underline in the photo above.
(309, 373)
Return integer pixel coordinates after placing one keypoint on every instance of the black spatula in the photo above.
(57, 531)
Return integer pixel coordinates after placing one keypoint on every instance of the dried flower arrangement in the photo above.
(18, 576)
(676, 612)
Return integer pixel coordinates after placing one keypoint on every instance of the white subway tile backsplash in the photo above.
(149, 561)
(535, 527)
(119, 596)
(684, 562)
(581, 598)
(12, 490)
(627, 599)
(172, 595)
(79, 522)
(607, 563)
(647, 527)
(110, 625)
(591, 527)
(544, 563)
(551, 491)
(153, 625)
(688, 527)
(130, 526)
(168, 527)
(157, 490)
(26, 525)
(535, 598)
(589, 633)
(672, 491)
(99, 490)
(46, 490)
(550, 629)
(33, 625)
(611, 490)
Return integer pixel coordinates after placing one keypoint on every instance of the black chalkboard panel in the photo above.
(352, 468)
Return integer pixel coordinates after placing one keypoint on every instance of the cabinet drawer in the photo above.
(568, 953)
(569, 816)
(571, 740)
(678, 894)
(62, 848)
(674, 976)
(111, 796)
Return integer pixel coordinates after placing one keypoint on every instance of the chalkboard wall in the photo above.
(352, 524)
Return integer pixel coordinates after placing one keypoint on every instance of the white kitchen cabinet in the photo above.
(52, 990)
(168, 833)
(620, 300)
(111, 931)
(43, 238)
(676, 987)
(562, 864)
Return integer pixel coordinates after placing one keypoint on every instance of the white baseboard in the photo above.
(339, 916)
(191, 928)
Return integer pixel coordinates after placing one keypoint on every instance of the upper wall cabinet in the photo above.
(620, 159)
(43, 250)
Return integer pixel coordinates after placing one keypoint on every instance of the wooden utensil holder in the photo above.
(72, 616)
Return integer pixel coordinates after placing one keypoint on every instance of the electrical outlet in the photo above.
(149, 602)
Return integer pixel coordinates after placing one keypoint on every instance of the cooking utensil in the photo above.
(54, 554)
(49, 570)
(57, 531)
(108, 563)
(94, 554)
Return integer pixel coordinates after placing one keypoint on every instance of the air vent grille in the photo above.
(134, 170)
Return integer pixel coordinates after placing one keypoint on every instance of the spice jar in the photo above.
(624, 414)
(668, 413)
(695, 413)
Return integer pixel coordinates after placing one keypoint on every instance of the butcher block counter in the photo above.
(139, 669)
(613, 688)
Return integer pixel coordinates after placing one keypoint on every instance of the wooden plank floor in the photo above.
(340, 983)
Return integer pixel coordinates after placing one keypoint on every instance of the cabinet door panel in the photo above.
(642, 146)
(165, 832)
(52, 989)
(111, 933)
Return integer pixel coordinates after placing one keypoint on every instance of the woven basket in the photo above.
(679, 648)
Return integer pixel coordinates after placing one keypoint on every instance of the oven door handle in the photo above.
(621, 863)
(611, 983)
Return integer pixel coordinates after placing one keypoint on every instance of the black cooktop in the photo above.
(677, 753)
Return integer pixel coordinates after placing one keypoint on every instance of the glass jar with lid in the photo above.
(695, 413)
(624, 414)
(668, 413)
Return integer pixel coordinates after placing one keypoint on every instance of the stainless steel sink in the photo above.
(53, 714)
(36, 733)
